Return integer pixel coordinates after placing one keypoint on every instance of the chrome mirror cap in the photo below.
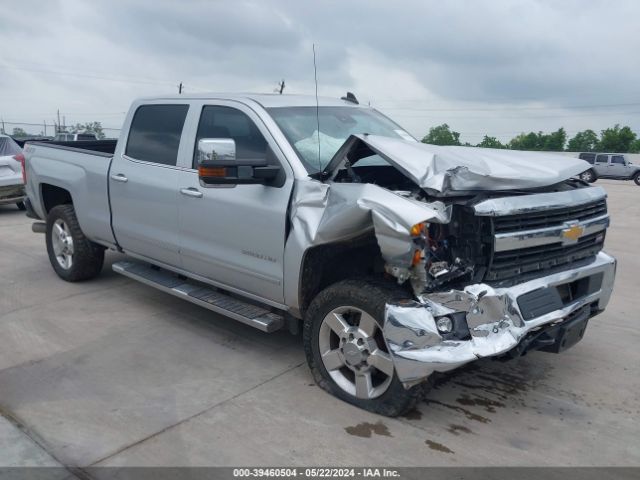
(216, 150)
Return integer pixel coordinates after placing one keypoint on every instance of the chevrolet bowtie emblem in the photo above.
(572, 233)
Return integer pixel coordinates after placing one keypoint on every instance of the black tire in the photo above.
(589, 176)
(21, 206)
(370, 296)
(636, 178)
(87, 257)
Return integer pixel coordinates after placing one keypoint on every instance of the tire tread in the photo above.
(88, 257)
(359, 292)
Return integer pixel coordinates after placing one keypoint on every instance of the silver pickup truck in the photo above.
(394, 258)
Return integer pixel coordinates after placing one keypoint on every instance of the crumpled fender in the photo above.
(331, 212)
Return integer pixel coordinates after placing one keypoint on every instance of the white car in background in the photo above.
(11, 173)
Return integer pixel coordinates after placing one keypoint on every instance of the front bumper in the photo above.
(495, 319)
(12, 194)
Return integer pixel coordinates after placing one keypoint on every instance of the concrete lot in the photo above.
(111, 372)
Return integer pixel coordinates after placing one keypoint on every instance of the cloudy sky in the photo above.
(496, 66)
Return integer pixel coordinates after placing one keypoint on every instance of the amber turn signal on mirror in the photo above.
(212, 171)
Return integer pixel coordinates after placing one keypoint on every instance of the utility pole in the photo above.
(2, 125)
(180, 88)
(44, 122)
(58, 126)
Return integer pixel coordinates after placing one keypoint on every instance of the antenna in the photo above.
(315, 76)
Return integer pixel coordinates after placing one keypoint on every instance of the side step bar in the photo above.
(201, 294)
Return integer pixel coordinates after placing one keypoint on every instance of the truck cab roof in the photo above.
(266, 100)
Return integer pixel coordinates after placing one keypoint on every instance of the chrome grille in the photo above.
(521, 263)
(533, 243)
(550, 218)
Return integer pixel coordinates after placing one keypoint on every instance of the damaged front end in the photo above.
(501, 251)
(505, 276)
(488, 322)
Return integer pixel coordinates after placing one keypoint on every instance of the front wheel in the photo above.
(636, 178)
(588, 176)
(72, 255)
(346, 350)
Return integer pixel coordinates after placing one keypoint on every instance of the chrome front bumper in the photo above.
(495, 321)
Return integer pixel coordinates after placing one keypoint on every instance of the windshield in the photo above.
(300, 126)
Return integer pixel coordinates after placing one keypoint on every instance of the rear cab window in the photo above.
(154, 135)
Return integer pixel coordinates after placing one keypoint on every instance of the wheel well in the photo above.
(327, 264)
(53, 196)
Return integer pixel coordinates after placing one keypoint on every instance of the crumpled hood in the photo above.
(451, 170)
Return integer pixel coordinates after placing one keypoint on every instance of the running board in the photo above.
(201, 294)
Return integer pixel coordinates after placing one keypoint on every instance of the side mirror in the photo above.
(218, 165)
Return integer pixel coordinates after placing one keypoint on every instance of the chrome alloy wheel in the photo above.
(354, 352)
(62, 243)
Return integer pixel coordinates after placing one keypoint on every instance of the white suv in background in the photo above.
(11, 178)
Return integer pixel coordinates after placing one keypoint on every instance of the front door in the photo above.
(234, 235)
(618, 167)
(143, 184)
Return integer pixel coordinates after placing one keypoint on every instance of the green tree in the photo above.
(527, 141)
(19, 132)
(90, 127)
(442, 135)
(616, 139)
(554, 142)
(635, 146)
(490, 142)
(585, 141)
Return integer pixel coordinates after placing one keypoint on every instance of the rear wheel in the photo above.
(72, 255)
(636, 178)
(21, 206)
(588, 176)
(346, 350)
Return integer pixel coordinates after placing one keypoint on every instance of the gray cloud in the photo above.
(502, 55)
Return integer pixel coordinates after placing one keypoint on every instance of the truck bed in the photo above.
(80, 168)
(94, 146)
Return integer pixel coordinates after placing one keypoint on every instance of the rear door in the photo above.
(234, 235)
(601, 165)
(143, 184)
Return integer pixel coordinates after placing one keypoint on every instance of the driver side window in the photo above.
(228, 122)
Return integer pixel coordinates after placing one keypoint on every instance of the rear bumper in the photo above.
(12, 194)
(498, 319)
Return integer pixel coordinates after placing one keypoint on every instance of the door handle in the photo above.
(191, 192)
(119, 178)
